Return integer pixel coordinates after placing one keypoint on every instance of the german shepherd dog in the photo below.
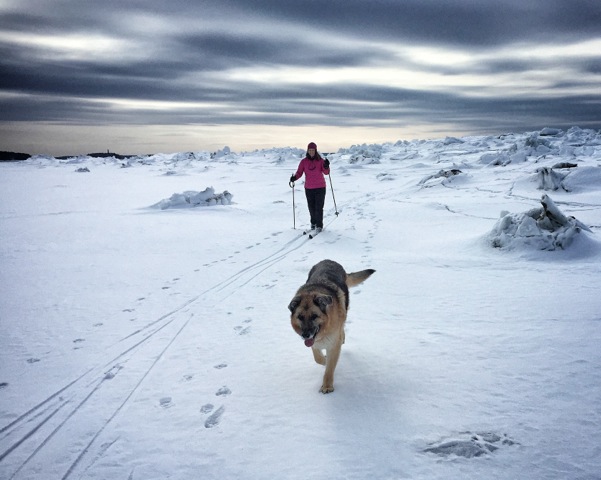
(318, 312)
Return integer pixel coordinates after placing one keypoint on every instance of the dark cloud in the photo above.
(590, 65)
(496, 66)
(162, 76)
(472, 23)
(56, 109)
(468, 23)
(228, 49)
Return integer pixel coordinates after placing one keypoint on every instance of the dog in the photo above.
(318, 313)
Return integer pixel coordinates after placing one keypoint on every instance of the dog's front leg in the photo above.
(332, 355)
(318, 356)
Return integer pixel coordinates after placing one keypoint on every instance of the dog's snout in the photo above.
(309, 332)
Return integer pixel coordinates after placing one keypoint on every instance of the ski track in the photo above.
(33, 432)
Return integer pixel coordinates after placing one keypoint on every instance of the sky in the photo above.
(149, 76)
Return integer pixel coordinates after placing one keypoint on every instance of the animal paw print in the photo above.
(214, 419)
(169, 285)
(223, 392)
(243, 329)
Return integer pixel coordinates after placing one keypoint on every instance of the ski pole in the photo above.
(332, 188)
(291, 184)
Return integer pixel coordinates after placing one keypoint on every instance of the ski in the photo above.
(315, 233)
(311, 232)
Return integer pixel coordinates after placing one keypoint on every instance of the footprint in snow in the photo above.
(223, 392)
(243, 330)
(214, 418)
(168, 286)
(166, 402)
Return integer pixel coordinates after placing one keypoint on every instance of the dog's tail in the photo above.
(356, 278)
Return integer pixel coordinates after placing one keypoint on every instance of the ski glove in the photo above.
(326, 163)
(292, 179)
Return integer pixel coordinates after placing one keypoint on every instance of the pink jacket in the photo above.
(314, 172)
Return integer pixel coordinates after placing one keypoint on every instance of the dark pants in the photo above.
(316, 197)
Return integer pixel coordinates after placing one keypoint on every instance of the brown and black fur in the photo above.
(318, 312)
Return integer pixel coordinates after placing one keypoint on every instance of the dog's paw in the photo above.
(326, 388)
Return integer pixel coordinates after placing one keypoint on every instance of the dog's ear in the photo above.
(322, 301)
(293, 304)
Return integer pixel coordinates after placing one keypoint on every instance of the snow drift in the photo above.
(543, 228)
(190, 199)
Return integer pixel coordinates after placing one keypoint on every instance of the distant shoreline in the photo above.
(17, 156)
(13, 156)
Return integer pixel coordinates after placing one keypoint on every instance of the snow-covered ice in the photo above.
(144, 330)
(191, 199)
(543, 228)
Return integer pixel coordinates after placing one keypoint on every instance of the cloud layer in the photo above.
(462, 66)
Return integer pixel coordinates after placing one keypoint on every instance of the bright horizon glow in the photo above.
(140, 139)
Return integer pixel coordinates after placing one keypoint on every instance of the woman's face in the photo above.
(311, 152)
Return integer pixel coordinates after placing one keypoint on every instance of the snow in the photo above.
(544, 228)
(142, 342)
(192, 199)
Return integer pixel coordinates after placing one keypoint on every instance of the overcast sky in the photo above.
(147, 76)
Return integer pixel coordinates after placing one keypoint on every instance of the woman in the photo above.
(314, 167)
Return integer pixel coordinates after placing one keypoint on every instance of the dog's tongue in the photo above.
(309, 342)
